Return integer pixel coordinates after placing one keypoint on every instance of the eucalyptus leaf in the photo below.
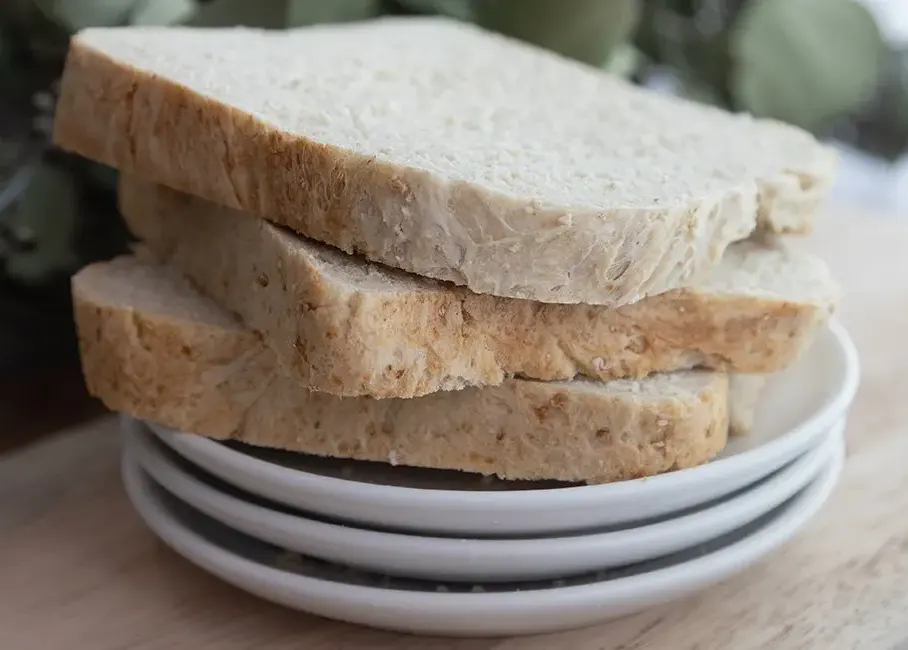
(310, 12)
(586, 30)
(162, 12)
(808, 62)
(267, 14)
(79, 14)
(43, 223)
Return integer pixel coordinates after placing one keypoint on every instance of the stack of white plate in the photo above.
(454, 554)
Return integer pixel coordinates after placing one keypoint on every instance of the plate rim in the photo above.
(700, 571)
(193, 446)
(723, 517)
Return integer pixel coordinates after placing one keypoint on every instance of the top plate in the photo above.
(799, 407)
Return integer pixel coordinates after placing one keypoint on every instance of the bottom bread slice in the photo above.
(155, 348)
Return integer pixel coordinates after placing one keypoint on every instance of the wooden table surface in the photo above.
(79, 570)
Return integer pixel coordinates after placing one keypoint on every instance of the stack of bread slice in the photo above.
(416, 242)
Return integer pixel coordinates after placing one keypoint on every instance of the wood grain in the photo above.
(80, 571)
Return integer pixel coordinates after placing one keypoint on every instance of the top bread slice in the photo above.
(432, 146)
(348, 327)
(153, 347)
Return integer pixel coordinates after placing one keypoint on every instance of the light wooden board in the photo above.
(79, 570)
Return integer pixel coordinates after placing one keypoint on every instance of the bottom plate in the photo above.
(458, 609)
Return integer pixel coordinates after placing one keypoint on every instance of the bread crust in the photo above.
(337, 337)
(224, 383)
(408, 217)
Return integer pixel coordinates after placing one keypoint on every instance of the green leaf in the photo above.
(807, 62)
(267, 14)
(79, 14)
(310, 12)
(44, 221)
(586, 30)
(162, 12)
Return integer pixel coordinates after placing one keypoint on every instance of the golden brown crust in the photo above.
(337, 338)
(224, 383)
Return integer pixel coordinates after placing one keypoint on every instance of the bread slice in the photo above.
(155, 348)
(435, 147)
(348, 327)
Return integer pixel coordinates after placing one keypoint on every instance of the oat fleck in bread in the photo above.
(153, 347)
(347, 327)
(438, 148)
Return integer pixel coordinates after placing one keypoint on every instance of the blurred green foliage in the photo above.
(831, 52)
(587, 30)
(820, 64)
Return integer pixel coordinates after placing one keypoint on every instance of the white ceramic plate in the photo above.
(482, 560)
(800, 405)
(457, 609)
